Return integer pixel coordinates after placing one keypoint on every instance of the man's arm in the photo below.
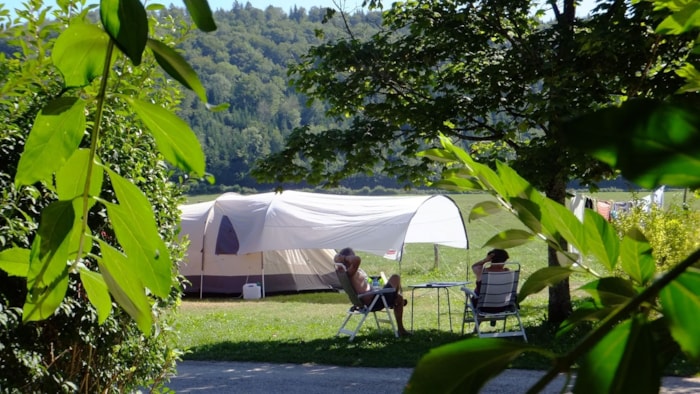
(351, 263)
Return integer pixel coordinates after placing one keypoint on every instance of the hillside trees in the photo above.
(88, 246)
(485, 73)
(244, 63)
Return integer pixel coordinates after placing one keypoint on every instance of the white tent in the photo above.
(235, 227)
(221, 272)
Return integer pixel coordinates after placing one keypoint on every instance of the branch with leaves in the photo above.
(138, 267)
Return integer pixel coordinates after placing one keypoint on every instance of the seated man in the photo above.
(358, 278)
(496, 257)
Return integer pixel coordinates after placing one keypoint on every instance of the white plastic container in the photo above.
(252, 291)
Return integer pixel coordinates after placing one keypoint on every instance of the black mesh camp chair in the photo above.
(496, 301)
(358, 308)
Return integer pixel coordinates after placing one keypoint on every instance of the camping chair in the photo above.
(496, 301)
(359, 308)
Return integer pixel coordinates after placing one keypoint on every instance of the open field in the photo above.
(301, 328)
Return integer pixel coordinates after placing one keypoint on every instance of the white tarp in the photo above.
(298, 220)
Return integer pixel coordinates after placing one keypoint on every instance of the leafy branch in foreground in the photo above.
(139, 265)
(634, 325)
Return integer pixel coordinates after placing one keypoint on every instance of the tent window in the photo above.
(226, 240)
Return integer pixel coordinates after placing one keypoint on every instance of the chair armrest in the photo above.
(383, 290)
(469, 292)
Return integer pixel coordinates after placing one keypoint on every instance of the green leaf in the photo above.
(137, 232)
(687, 19)
(175, 140)
(55, 136)
(456, 184)
(201, 14)
(439, 155)
(80, 53)
(585, 311)
(565, 223)
(177, 67)
(97, 293)
(610, 291)
(484, 209)
(624, 361)
(71, 178)
(125, 285)
(126, 23)
(652, 143)
(636, 258)
(509, 239)
(680, 301)
(47, 278)
(601, 239)
(530, 214)
(464, 366)
(542, 278)
(516, 186)
(15, 261)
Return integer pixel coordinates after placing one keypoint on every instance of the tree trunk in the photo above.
(559, 307)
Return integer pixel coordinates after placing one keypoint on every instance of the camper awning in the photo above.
(379, 225)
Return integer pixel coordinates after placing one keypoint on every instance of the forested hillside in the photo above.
(244, 63)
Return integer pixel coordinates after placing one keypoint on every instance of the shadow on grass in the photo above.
(381, 349)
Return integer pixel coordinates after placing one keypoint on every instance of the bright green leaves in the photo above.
(175, 140)
(122, 277)
(137, 233)
(602, 240)
(624, 361)
(680, 301)
(47, 278)
(542, 278)
(201, 14)
(464, 366)
(126, 23)
(73, 176)
(684, 20)
(15, 261)
(176, 66)
(636, 258)
(80, 67)
(56, 134)
(652, 143)
(97, 293)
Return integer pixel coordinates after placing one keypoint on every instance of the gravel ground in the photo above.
(205, 377)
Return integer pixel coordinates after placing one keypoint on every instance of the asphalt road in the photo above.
(206, 377)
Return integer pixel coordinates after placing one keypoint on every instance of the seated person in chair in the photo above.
(497, 257)
(358, 278)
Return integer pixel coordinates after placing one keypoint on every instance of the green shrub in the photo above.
(70, 351)
(673, 232)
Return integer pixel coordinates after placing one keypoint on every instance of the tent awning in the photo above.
(373, 224)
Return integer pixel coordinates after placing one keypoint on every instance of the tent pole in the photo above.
(201, 273)
(262, 270)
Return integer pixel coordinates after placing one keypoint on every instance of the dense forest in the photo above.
(244, 63)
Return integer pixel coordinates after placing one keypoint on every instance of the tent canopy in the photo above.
(299, 220)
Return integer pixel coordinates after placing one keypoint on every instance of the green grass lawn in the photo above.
(301, 328)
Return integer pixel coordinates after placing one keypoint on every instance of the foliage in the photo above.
(671, 232)
(244, 63)
(88, 279)
(634, 327)
(499, 81)
(641, 319)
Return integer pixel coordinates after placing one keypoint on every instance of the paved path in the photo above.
(205, 377)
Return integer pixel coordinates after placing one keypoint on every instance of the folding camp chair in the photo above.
(359, 308)
(495, 302)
